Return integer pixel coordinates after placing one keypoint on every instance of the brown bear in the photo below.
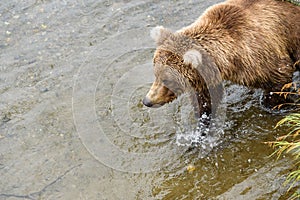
(255, 43)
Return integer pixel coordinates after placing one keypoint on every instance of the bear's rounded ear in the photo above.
(193, 57)
(159, 34)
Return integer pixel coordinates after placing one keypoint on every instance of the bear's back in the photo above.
(248, 39)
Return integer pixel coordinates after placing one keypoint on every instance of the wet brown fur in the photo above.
(252, 42)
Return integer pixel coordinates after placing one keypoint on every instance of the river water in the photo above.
(72, 125)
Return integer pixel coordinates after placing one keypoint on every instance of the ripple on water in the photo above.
(107, 106)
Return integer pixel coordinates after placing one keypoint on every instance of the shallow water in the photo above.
(73, 74)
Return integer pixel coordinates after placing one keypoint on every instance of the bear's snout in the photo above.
(147, 102)
(158, 95)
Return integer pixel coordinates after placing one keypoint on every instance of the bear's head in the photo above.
(180, 65)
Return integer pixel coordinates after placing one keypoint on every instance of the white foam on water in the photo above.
(203, 136)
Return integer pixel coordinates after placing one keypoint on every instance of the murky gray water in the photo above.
(73, 74)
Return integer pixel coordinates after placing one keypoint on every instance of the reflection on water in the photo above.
(73, 74)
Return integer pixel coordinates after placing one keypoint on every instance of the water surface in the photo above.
(73, 74)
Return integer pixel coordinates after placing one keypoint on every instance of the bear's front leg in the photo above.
(202, 105)
(206, 103)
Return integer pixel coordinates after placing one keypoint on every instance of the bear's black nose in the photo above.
(147, 102)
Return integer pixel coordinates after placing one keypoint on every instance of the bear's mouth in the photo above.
(157, 105)
(147, 102)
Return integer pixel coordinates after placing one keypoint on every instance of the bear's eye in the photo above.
(166, 82)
